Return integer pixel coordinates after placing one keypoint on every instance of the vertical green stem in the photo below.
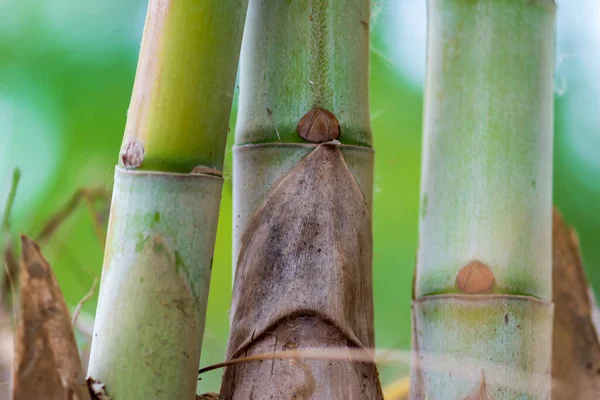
(164, 212)
(482, 311)
(183, 89)
(10, 200)
(300, 55)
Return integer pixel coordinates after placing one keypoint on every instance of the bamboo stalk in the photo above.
(483, 286)
(183, 91)
(302, 209)
(165, 206)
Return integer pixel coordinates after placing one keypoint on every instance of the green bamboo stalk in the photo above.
(183, 88)
(303, 80)
(165, 206)
(482, 313)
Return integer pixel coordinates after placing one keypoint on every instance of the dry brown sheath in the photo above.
(303, 281)
(575, 350)
(46, 362)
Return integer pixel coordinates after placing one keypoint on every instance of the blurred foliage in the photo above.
(66, 74)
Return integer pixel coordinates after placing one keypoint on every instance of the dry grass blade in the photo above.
(88, 296)
(315, 353)
(576, 350)
(397, 390)
(90, 196)
(46, 363)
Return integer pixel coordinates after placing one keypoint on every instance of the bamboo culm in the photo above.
(482, 309)
(302, 182)
(167, 189)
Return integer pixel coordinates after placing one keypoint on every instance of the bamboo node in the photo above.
(318, 126)
(132, 155)
(475, 277)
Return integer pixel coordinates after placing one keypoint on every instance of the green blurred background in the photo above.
(66, 74)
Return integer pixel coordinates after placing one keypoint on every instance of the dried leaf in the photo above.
(46, 363)
(304, 281)
(576, 349)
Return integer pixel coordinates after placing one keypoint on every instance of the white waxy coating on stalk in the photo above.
(486, 198)
(455, 349)
(155, 280)
(486, 190)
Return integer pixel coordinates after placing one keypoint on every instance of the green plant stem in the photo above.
(300, 55)
(486, 197)
(163, 219)
(10, 200)
(155, 280)
(184, 84)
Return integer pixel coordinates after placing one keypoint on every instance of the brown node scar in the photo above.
(133, 155)
(475, 277)
(318, 126)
